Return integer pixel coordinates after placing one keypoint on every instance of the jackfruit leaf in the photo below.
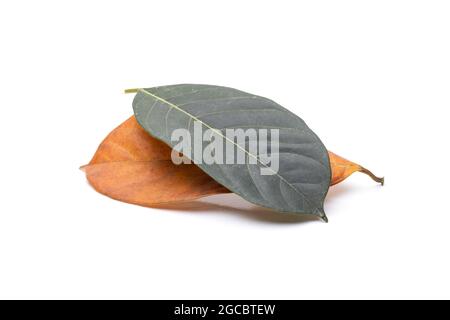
(301, 181)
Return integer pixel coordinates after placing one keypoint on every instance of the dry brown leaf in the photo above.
(132, 166)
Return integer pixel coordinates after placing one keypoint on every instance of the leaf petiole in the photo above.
(370, 174)
(133, 90)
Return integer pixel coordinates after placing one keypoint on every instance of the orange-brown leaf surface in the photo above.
(132, 166)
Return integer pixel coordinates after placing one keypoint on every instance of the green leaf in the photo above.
(302, 181)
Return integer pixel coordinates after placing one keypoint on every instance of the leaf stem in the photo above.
(370, 174)
(133, 90)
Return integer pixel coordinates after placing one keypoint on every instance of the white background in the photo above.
(371, 78)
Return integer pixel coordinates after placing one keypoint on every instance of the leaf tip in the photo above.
(321, 213)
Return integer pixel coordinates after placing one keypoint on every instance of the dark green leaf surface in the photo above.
(304, 174)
